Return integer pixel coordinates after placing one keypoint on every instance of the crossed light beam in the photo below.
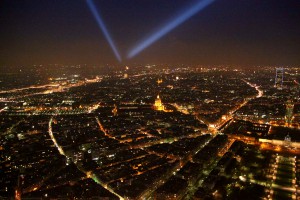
(103, 28)
(159, 33)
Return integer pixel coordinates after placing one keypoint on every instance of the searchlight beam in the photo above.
(103, 28)
(169, 27)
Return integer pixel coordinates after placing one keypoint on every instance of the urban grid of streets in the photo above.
(107, 132)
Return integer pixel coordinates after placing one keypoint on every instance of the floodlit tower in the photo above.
(289, 112)
(279, 78)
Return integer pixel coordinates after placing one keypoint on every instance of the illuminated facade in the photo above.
(158, 104)
(159, 81)
(115, 110)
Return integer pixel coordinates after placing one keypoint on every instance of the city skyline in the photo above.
(150, 100)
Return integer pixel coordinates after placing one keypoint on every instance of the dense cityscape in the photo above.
(150, 100)
(150, 132)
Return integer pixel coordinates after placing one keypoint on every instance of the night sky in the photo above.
(230, 32)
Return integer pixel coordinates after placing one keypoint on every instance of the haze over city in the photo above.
(224, 32)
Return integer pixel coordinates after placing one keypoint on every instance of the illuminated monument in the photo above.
(158, 104)
(159, 81)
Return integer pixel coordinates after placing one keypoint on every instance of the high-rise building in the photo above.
(289, 112)
(279, 78)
